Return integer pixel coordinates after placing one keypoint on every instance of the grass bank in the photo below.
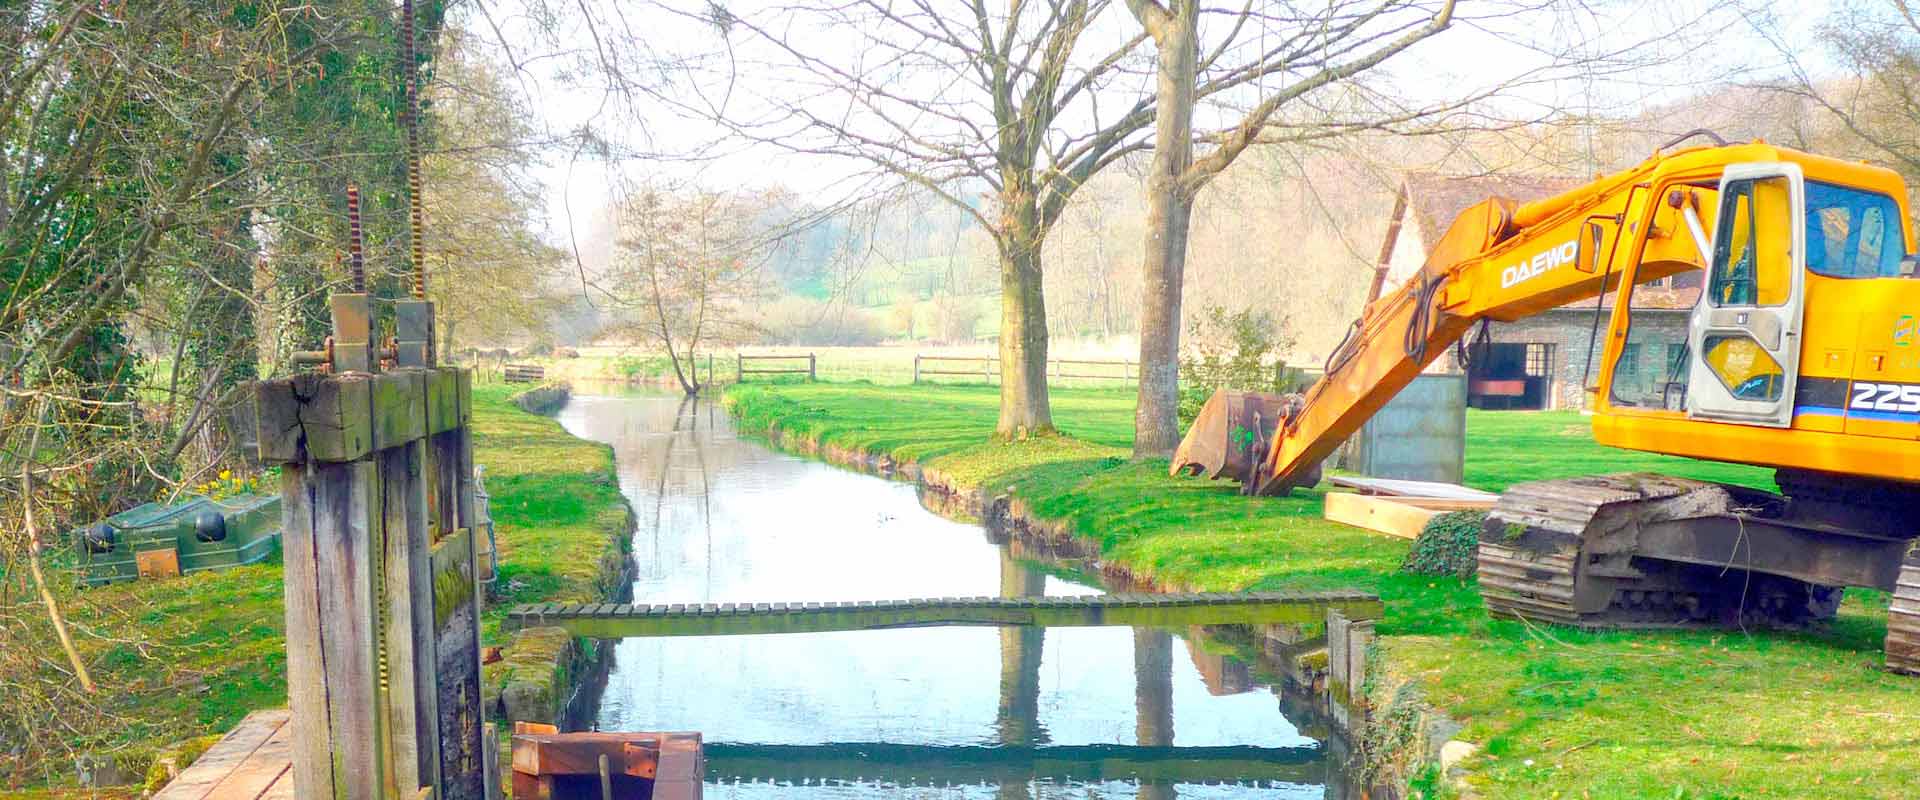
(1560, 713)
(189, 657)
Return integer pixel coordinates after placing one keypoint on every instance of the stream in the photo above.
(953, 712)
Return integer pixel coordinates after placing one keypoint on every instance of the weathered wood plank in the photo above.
(1377, 514)
(306, 677)
(322, 417)
(1405, 488)
(395, 404)
(345, 506)
(412, 685)
(257, 774)
(253, 732)
(1253, 608)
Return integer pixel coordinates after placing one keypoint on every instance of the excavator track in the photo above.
(1903, 619)
(1569, 551)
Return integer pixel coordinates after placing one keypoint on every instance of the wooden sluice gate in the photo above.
(615, 621)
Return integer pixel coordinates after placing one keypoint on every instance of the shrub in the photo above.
(1237, 350)
(1448, 545)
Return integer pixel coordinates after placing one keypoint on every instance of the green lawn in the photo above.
(1561, 713)
(184, 658)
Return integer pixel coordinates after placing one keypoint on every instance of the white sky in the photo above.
(1727, 45)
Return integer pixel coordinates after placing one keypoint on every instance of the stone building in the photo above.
(1544, 361)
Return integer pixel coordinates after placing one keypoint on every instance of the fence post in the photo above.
(709, 369)
(812, 376)
(916, 369)
(739, 368)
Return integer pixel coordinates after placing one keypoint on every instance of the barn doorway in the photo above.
(1511, 375)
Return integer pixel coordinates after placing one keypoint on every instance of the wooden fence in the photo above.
(988, 368)
(524, 373)
(741, 361)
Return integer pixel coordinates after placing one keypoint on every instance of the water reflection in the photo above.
(1009, 712)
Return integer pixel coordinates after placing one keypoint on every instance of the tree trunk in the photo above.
(1156, 423)
(1024, 408)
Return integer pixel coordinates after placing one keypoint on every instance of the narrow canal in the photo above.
(916, 713)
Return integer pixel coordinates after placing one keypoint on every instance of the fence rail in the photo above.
(1056, 368)
(524, 373)
(740, 370)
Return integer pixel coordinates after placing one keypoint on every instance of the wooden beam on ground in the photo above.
(1404, 517)
(610, 621)
(1402, 488)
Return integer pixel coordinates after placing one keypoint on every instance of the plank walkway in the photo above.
(254, 761)
(900, 765)
(611, 621)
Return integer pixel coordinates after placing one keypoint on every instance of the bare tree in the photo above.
(1315, 49)
(689, 265)
(1878, 41)
(1002, 110)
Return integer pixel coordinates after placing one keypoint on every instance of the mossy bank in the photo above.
(1554, 712)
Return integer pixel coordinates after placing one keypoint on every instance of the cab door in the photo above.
(1745, 331)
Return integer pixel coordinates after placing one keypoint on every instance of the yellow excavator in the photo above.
(1802, 354)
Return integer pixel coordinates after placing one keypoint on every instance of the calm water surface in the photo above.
(915, 713)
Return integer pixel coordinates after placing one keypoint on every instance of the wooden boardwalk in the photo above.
(253, 761)
(611, 621)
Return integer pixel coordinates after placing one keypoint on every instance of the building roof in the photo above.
(1434, 200)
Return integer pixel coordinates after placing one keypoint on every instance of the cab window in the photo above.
(1852, 233)
(1753, 253)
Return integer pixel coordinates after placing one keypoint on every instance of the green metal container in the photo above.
(203, 535)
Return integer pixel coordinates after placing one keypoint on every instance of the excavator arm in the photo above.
(1499, 260)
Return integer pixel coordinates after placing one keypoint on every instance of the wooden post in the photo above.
(739, 368)
(333, 680)
(382, 598)
(916, 369)
(811, 374)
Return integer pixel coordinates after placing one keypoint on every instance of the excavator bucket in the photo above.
(1230, 437)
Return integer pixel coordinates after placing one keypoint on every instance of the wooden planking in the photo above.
(414, 726)
(635, 754)
(1401, 488)
(345, 505)
(1404, 517)
(1171, 610)
(264, 768)
(198, 781)
(306, 677)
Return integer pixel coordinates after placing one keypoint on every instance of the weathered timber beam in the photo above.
(917, 765)
(610, 621)
(346, 416)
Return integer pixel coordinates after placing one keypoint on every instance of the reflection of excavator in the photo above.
(1802, 354)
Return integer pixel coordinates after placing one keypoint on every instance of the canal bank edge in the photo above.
(542, 674)
(1405, 744)
(546, 399)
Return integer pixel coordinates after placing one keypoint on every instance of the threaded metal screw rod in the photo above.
(415, 214)
(356, 262)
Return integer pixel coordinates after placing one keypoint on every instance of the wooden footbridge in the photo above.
(616, 621)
